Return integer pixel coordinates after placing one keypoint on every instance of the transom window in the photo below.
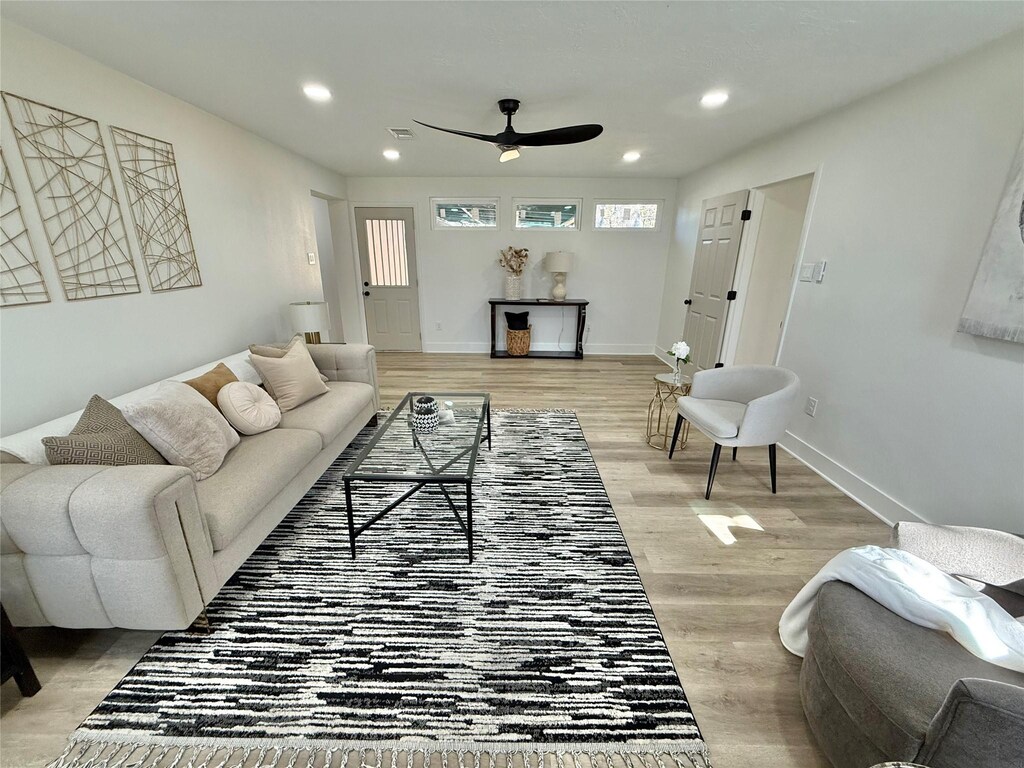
(464, 214)
(626, 214)
(547, 214)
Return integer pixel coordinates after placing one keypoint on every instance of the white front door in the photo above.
(714, 266)
(387, 259)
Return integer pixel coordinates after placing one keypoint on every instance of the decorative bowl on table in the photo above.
(425, 416)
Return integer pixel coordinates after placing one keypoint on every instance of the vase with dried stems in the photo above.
(513, 261)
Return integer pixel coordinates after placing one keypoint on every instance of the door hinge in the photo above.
(730, 296)
(745, 216)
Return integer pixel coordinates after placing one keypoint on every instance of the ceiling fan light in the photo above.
(508, 152)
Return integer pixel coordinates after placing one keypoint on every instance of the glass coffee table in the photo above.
(444, 458)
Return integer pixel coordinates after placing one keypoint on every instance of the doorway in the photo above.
(767, 270)
(386, 240)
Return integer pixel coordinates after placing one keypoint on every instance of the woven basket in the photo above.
(518, 342)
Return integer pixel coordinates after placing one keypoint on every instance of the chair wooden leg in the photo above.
(714, 466)
(771, 463)
(675, 435)
(734, 454)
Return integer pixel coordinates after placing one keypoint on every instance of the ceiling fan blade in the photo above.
(572, 134)
(481, 136)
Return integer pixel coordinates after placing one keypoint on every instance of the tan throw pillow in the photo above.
(292, 379)
(102, 436)
(184, 427)
(209, 384)
(279, 350)
(248, 408)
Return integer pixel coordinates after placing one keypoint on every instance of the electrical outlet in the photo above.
(311, 257)
(437, 326)
(811, 407)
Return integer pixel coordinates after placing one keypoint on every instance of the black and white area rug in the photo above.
(543, 651)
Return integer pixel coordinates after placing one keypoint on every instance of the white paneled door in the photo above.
(714, 266)
(387, 258)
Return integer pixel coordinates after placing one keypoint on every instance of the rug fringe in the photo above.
(93, 754)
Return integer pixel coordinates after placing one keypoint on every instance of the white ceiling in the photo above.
(639, 68)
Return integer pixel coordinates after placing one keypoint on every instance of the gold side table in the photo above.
(662, 411)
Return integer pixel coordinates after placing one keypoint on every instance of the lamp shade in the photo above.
(309, 316)
(558, 261)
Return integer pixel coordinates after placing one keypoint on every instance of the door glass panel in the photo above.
(388, 259)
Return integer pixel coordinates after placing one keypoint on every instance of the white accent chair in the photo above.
(744, 405)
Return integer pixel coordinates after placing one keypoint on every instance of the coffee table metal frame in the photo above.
(437, 475)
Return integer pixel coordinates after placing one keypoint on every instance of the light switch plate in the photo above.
(807, 272)
(819, 271)
(312, 257)
(811, 407)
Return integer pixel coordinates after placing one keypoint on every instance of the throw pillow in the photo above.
(209, 384)
(279, 350)
(248, 408)
(184, 427)
(517, 321)
(102, 436)
(292, 379)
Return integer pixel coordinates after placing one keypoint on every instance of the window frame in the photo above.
(473, 200)
(628, 201)
(563, 201)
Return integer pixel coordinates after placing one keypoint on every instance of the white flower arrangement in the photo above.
(681, 352)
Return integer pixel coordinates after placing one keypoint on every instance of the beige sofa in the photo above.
(148, 547)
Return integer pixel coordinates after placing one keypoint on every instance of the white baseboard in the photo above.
(475, 347)
(873, 499)
(664, 356)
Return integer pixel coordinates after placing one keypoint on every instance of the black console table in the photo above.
(581, 322)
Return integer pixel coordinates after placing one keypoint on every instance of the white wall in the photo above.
(913, 418)
(329, 277)
(250, 212)
(619, 272)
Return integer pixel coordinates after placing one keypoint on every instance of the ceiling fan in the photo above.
(510, 141)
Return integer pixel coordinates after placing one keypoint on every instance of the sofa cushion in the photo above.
(720, 418)
(211, 382)
(248, 408)
(332, 412)
(252, 474)
(891, 676)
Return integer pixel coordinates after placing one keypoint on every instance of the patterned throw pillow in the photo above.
(102, 436)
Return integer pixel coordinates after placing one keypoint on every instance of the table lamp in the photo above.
(558, 263)
(310, 318)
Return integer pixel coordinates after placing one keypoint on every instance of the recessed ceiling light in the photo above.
(631, 157)
(392, 154)
(714, 99)
(317, 92)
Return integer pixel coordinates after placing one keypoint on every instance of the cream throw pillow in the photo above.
(184, 427)
(248, 408)
(279, 350)
(292, 379)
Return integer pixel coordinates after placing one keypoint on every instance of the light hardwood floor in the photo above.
(718, 605)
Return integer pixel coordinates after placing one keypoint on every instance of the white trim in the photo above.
(563, 201)
(626, 201)
(742, 276)
(467, 201)
(873, 499)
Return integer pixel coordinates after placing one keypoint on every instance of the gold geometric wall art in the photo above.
(150, 177)
(21, 282)
(74, 191)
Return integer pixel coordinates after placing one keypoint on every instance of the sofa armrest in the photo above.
(89, 546)
(993, 557)
(348, 362)
(980, 724)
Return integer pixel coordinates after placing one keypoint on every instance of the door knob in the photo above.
(366, 293)
(687, 302)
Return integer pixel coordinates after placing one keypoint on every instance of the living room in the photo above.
(365, 369)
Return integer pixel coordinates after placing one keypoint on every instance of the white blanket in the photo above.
(919, 592)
